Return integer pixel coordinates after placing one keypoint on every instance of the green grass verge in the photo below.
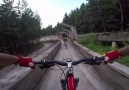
(90, 43)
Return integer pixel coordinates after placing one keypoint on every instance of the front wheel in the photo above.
(76, 80)
(63, 84)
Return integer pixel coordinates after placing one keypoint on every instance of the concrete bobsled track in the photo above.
(102, 77)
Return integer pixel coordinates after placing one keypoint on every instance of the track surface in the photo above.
(90, 77)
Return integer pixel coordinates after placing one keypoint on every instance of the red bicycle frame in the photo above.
(70, 83)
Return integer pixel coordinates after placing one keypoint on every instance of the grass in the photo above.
(90, 43)
(124, 61)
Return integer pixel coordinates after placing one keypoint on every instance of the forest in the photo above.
(20, 27)
(100, 16)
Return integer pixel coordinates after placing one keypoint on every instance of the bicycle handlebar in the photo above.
(51, 62)
(90, 61)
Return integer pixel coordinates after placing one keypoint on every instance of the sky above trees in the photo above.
(52, 11)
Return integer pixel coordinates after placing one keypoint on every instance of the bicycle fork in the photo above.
(65, 83)
(70, 83)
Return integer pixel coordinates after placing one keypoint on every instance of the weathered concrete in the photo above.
(10, 76)
(49, 38)
(115, 75)
(108, 36)
(51, 79)
(73, 31)
(119, 36)
(103, 77)
(90, 77)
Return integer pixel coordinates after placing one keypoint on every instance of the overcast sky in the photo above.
(52, 11)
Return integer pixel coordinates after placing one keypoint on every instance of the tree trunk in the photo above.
(12, 47)
(101, 15)
(103, 24)
(122, 17)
